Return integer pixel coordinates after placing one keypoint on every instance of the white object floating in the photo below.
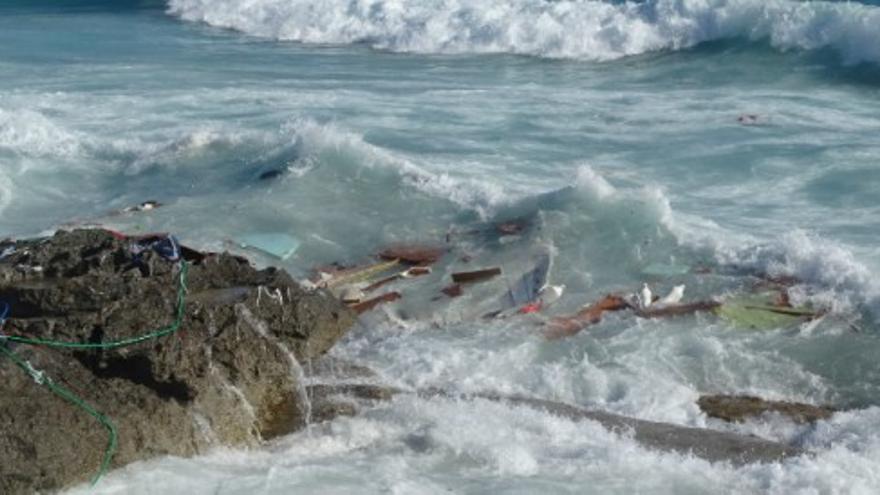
(549, 294)
(674, 295)
(277, 244)
(645, 296)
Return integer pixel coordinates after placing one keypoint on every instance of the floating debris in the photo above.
(476, 275)
(413, 254)
(370, 304)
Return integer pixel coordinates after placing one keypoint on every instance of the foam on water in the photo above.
(442, 446)
(29, 133)
(586, 29)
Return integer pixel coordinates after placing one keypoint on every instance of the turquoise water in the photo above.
(613, 126)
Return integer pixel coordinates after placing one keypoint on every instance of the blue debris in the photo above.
(165, 246)
(527, 288)
(3, 314)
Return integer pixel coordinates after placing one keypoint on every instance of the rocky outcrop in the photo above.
(737, 408)
(230, 375)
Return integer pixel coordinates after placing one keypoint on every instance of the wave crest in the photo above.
(581, 29)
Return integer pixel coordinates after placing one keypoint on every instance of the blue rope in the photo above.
(3, 315)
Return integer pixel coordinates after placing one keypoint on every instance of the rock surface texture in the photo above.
(738, 408)
(230, 375)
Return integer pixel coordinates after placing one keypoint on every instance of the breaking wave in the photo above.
(317, 143)
(30, 133)
(579, 29)
(205, 158)
(829, 274)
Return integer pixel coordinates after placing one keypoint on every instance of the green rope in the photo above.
(69, 396)
(173, 327)
(72, 398)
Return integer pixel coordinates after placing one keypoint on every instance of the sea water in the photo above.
(613, 127)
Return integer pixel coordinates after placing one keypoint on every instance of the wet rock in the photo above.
(737, 408)
(230, 376)
(332, 400)
(328, 367)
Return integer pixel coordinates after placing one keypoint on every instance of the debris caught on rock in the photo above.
(330, 277)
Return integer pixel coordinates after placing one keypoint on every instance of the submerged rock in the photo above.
(711, 445)
(714, 446)
(230, 376)
(736, 408)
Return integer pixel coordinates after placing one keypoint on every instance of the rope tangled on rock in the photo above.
(173, 327)
(41, 379)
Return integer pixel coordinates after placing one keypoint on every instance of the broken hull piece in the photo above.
(567, 326)
(677, 309)
(277, 244)
(762, 312)
(452, 291)
(416, 271)
(413, 254)
(475, 276)
(528, 288)
(369, 304)
(358, 274)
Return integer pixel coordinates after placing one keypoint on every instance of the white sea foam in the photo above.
(443, 446)
(837, 278)
(587, 29)
(30, 133)
(832, 275)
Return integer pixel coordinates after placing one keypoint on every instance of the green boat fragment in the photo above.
(759, 312)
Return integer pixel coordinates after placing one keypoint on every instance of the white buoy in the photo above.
(674, 295)
(645, 297)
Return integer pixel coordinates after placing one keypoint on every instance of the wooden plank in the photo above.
(369, 304)
(475, 276)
